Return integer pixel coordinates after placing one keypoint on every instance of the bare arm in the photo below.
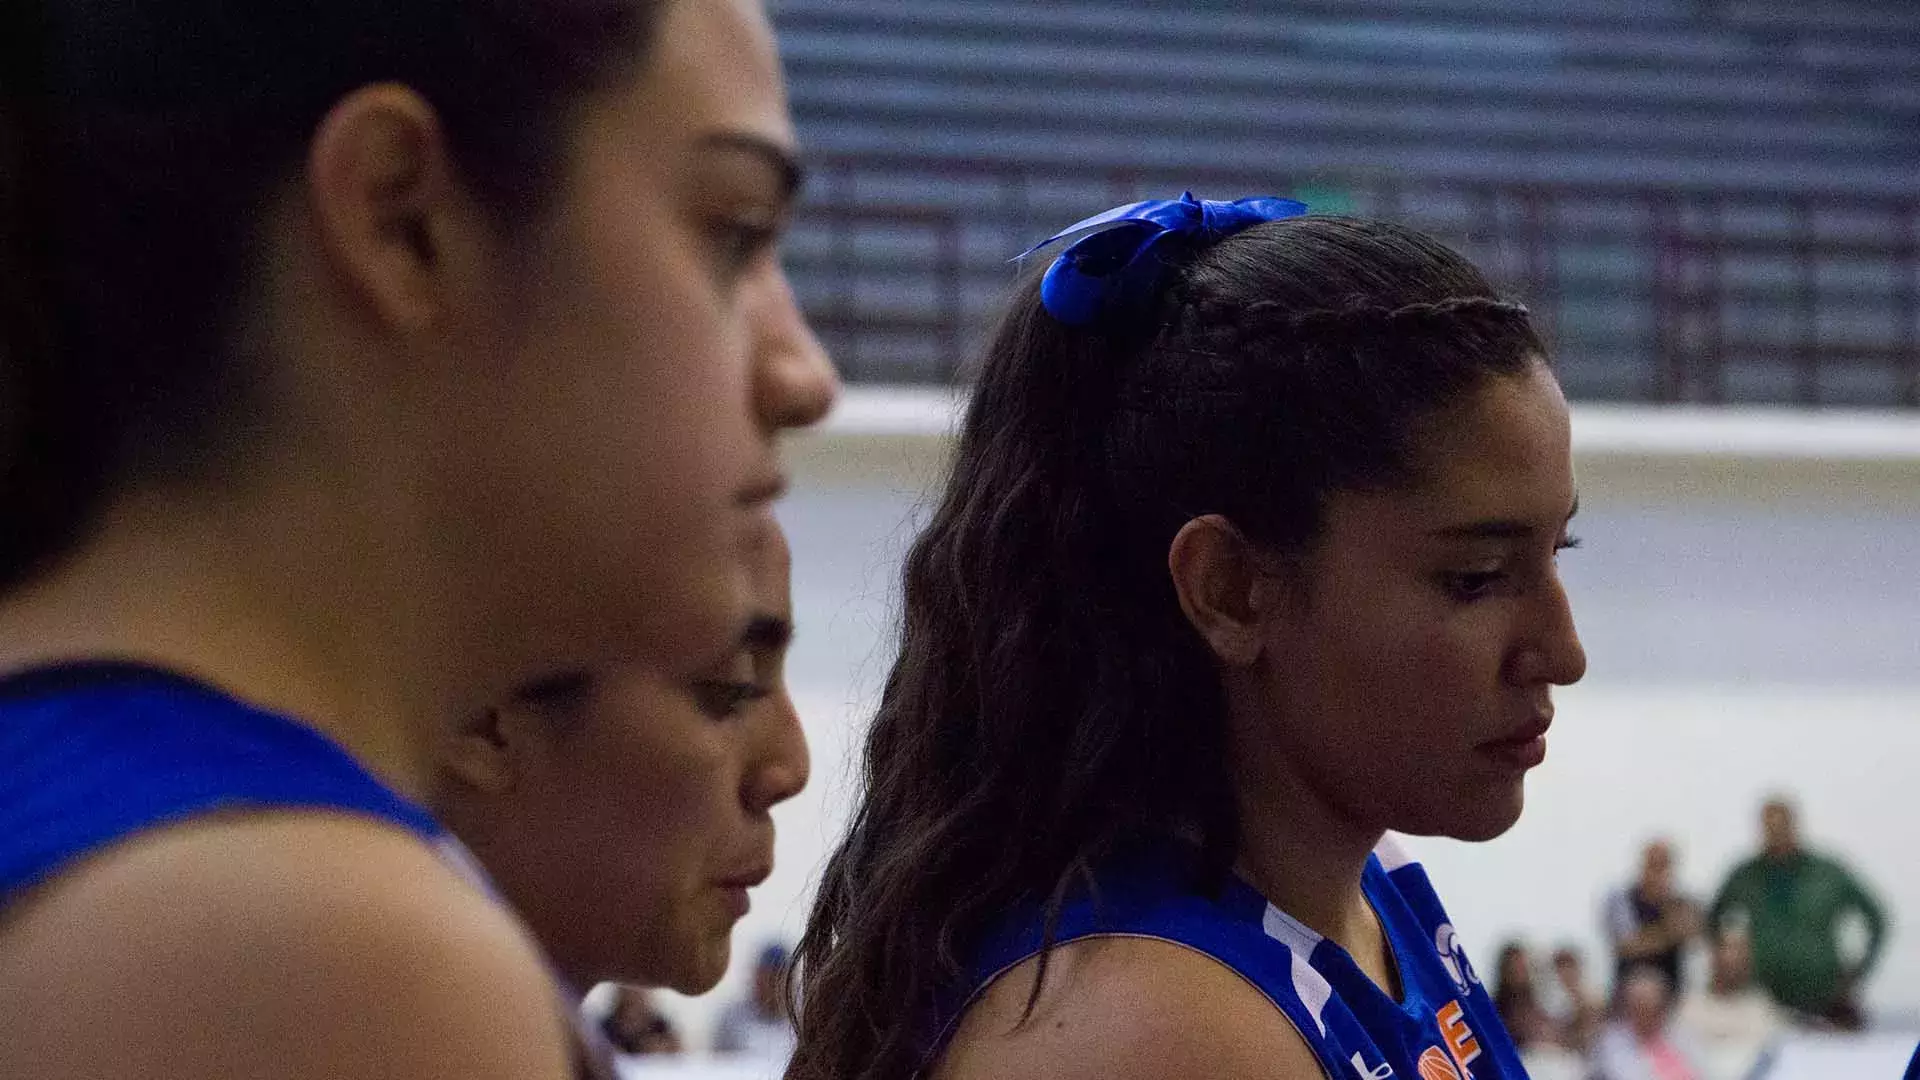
(1645, 942)
(296, 947)
(1127, 1009)
(1678, 924)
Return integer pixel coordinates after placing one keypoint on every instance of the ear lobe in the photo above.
(1222, 591)
(379, 179)
(480, 755)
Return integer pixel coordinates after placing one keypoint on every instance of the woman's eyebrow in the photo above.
(776, 157)
(1497, 528)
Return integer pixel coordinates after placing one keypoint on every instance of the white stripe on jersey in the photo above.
(1312, 987)
(1392, 854)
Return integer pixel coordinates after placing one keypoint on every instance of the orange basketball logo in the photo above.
(1434, 1065)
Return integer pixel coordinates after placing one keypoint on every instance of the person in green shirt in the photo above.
(1793, 903)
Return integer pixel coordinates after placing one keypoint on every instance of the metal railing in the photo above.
(1658, 294)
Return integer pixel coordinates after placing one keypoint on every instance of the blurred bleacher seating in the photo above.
(1704, 199)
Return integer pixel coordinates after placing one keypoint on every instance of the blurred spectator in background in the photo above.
(1649, 923)
(1534, 1033)
(1545, 1059)
(1576, 1011)
(1793, 905)
(635, 1027)
(1513, 989)
(1732, 1022)
(760, 1026)
(1640, 1044)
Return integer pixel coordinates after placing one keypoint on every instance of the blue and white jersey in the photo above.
(1443, 1028)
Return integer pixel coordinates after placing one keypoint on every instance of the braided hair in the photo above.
(1049, 702)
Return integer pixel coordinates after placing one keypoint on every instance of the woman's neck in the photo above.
(1307, 860)
(240, 607)
(1296, 846)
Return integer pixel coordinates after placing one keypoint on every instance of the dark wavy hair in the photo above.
(1049, 702)
(140, 146)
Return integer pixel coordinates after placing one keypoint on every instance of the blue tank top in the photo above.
(1444, 1028)
(95, 753)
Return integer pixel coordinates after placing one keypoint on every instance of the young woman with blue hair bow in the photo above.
(1247, 560)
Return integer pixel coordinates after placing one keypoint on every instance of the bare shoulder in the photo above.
(292, 946)
(1130, 1009)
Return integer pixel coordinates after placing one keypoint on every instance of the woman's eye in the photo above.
(561, 690)
(1473, 585)
(740, 242)
(724, 698)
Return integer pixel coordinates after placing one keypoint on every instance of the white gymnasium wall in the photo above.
(1749, 593)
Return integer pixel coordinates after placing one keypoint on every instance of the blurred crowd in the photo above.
(1790, 937)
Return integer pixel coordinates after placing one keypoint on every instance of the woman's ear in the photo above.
(1225, 588)
(380, 183)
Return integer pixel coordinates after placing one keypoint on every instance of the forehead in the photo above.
(1506, 451)
(714, 68)
(1504, 454)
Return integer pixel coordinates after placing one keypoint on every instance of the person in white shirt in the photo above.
(1642, 1044)
(1732, 1021)
(1576, 1011)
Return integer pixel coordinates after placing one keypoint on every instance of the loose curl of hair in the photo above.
(1049, 703)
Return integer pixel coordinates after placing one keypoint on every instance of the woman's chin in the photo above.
(1475, 816)
(1490, 817)
(702, 968)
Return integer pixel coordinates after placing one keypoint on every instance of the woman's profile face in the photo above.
(613, 442)
(1410, 686)
(628, 824)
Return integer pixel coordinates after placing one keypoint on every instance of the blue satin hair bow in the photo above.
(1117, 262)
